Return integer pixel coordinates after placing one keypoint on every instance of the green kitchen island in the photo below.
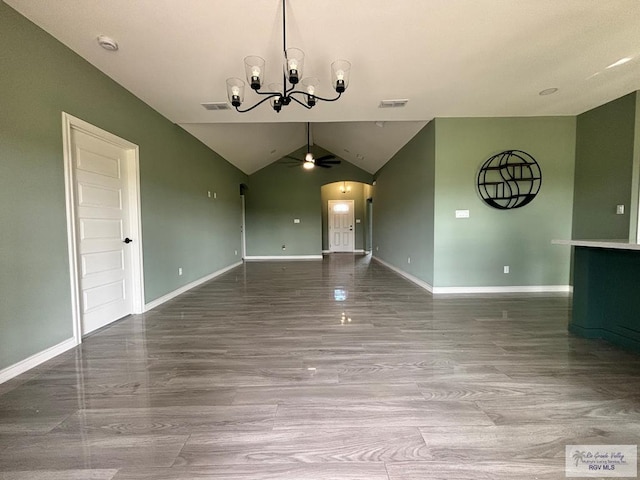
(606, 291)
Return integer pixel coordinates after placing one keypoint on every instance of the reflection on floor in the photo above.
(337, 369)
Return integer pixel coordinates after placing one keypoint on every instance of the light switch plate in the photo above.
(296, 220)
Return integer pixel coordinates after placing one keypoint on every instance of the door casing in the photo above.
(136, 273)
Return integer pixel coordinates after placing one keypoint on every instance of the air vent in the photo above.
(401, 102)
(216, 106)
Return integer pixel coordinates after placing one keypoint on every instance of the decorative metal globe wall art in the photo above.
(510, 179)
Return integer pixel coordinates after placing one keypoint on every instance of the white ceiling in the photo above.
(468, 58)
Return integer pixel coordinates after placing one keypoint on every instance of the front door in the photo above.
(341, 220)
(102, 230)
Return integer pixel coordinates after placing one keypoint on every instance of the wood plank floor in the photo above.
(336, 370)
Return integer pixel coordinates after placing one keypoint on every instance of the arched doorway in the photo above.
(336, 224)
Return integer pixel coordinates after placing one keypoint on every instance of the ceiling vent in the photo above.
(401, 102)
(216, 106)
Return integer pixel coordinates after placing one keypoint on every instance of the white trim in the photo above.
(468, 290)
(35, 360)
(254, 258)
(510, 289)
(326, 252)
(185, 288)
(243, 238)
(70, 122)
(408, 276)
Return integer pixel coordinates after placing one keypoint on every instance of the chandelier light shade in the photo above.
(293, 64)
(283, 94)
(310, 85)
(235, 91)
(254, 68)
(340, 70)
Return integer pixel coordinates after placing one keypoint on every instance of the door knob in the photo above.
(127, 240)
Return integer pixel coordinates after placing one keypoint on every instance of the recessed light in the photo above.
(107, 43)
(548, 91)
(622, 61)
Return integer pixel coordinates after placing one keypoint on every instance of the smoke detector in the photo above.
(107, 43)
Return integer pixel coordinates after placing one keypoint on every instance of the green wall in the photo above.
(418, 191)
(182, 227)
(357, 194)
(473, 251)
(604, 177)
(403, 207)
(278, 194)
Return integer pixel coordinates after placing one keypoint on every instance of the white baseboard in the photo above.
(254, 258)
(171, 295)
(408, 276)
(326, 252)
(35, 360)
(471, 290)
(510, 289)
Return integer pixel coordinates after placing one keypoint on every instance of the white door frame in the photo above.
(243, 228)
(353, 229)
(70, 122)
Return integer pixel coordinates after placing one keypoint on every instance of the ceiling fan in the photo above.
(309, 162)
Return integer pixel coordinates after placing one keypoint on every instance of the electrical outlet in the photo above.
(215, 195)
(506, 269)
(180, 271)
(235, 252)
(209, 193)
(377, 248)
(619, 209)
(408, 259)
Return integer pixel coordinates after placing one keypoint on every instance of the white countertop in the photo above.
(618, 244)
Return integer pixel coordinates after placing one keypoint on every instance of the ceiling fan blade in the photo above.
(326, 157)
(322, 165)
(294, 158)
(329, 162)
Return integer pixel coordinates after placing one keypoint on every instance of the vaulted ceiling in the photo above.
(468, 58)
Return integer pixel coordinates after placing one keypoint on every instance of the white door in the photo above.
(341, 235)
(102, 226)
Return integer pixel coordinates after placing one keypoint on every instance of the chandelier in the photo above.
(283, 94)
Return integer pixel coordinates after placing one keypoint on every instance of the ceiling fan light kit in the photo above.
(309, 161)
(284, 94)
